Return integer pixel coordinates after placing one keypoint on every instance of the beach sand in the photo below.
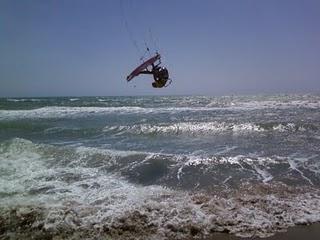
(311, 232)
(26, 225)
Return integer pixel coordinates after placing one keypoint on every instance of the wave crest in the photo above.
(204, 128)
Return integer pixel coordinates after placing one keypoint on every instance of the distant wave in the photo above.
(24, 99)
(272, 104)
(16, 100)
(205, 128)
(62, 112)
(66, 112)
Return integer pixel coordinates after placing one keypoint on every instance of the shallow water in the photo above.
(248, 165)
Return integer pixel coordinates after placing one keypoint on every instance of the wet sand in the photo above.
(311, 232)
(29, 223)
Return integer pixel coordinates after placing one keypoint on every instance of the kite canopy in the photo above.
(143, 66)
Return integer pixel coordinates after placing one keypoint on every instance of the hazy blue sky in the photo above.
(82, 47)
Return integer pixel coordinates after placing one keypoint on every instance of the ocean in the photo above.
(158, 167)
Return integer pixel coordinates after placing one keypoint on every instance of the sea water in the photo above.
(158, 167)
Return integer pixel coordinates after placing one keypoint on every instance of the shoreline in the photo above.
(298, 232)
(310, 232)
(28, 223)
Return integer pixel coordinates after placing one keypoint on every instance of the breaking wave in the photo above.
(24, 99)
(207, 128)
(274, 104)
(158, 167)
(73, 192)
(64, 112)
(72, 111)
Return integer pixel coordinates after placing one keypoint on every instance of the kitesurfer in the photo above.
(160, 74)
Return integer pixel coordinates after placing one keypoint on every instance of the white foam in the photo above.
(71, 112)
(244, 215)
(266, 177)
(199, 128)
(16, 166)
(66, 112)
(294, 166)
(16, 100)
(54, 130)
(226, 180)
(197, 104)
(287, 127)
(277, 104)
(82, 196)
(25, 99)
(259, 164)
(188, 128)
(247, 127)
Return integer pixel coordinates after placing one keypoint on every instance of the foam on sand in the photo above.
(71, 192)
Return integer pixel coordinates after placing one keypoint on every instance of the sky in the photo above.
(210, 47)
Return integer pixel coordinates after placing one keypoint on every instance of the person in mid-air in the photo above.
(160, 74)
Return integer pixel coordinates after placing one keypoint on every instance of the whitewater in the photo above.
(165, 167)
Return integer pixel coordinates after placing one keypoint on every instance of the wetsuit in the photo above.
(160, 76)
